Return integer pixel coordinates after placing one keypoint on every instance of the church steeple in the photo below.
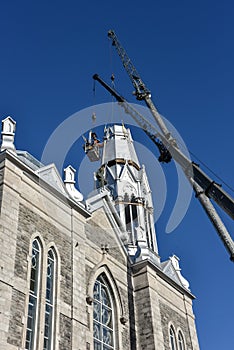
(127, 181)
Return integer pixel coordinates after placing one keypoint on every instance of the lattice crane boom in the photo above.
(141, 91)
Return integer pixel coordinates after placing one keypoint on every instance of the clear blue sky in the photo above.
(184, 51)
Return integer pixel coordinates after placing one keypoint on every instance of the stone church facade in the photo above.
(85, 274)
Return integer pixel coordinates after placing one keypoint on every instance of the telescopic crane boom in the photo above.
(204, 187)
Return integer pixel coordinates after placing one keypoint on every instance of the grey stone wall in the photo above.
(129, 331)
(65, 342)
(88, 271)
(179, 322)
(144, 320)
(29, 223)
(99, 236)
(17, 312)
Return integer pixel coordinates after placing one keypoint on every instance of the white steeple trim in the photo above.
(130, 192)
(127, 173)
(8, 134)
(120, 145)
(69, 182)
(175, 262)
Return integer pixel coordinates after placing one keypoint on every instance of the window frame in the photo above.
(34, 331)
(181, 340)
(39, 333)
(131, 220)
(172, 338)
(53, 304)
(102, 280)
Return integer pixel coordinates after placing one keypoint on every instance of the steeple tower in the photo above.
(127, 181)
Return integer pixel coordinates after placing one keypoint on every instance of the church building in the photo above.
(85, 273)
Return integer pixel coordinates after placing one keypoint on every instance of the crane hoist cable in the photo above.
(94, 117)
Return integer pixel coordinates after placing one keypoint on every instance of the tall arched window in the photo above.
(181, 341)
(172, 338)
(40, 318)
(49, 307)
(35, 275)
(103, 315)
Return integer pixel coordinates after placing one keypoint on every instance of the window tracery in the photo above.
(49, 307)
(181, 341)
(40, 316)
(103, 315)
(172, 338)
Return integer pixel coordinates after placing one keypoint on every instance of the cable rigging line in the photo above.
(94, 117)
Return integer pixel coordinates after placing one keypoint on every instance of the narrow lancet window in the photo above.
(32, 319)
(103, 320)
(181, 341)
(172, 339)
(151, 245)
(49, 307)
(131, 221)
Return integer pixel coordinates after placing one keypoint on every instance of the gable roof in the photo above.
(50, 174)
(106, 220)
(169, 268)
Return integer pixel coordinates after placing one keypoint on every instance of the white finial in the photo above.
(8, 134)
(69, 182)
(69, 174)
(175, 261)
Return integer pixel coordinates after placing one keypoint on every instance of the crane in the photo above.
(146, 126)
(204, 187)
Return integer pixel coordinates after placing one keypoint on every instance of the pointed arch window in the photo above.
(35, 275)
(131, 217)
(181, 341)
(49, 307)
(103, 315)
(41, 317)
(172, 338)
